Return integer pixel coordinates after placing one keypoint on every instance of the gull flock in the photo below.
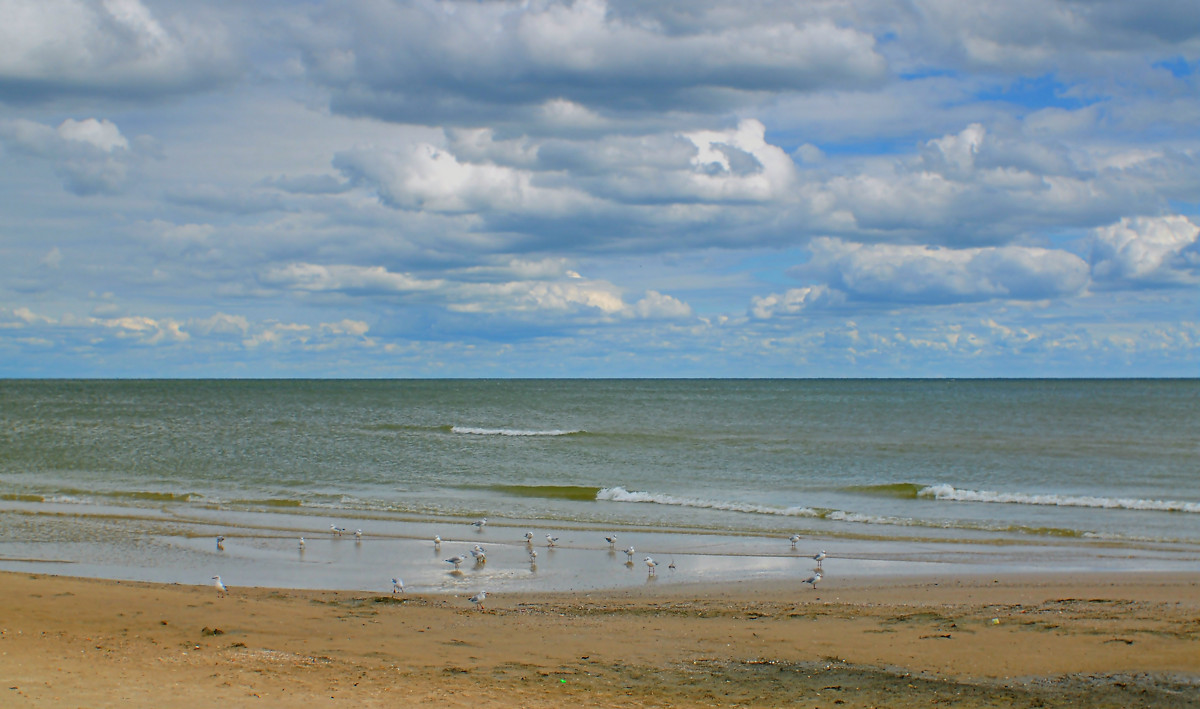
(479, 556)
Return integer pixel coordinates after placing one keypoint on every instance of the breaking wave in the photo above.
(473, 431)
(620, 494)
(950, 493)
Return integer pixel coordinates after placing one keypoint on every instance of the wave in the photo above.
(842, 516)
(950, 493)
(69, 494)
(153, 496)
(620, 494)
(395, 427)
(473, 431)
(21, 497)
(556, 492)
(903, 491)
(269, 502)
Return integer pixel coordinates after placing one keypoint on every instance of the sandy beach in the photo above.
(971, 640)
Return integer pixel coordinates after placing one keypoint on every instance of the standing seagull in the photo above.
(819, 557)
(437, 542)
(650, 564)
(529, 537)
(479, 524)
(478, 598)
(629, 555)
(358, 535)
(813, 579)
(794, 538)
(334, 529)
(397, 586)
(612, 541)
(301, 543)
(550, 540)
(456, 560)
(220, 586)
(220, 543)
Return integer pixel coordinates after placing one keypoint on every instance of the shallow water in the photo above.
(262, 549)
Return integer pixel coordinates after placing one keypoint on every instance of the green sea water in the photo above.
(984, 462)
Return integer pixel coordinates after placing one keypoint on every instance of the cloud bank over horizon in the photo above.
(385, 188)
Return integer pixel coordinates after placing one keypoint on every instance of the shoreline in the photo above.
(1049, 639)
(261, 550)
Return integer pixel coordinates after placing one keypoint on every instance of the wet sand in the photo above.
(1041, 640)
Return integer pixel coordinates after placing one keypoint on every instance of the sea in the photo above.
(713, 480)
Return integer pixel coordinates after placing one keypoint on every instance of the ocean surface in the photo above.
(136, 479)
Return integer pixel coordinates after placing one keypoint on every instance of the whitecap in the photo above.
(620, 494)
(474, 431)
(953, 494)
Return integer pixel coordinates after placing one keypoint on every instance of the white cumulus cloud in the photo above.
(1146, 250)
(922, 274)
(658, 306)
(434, 179)
(794, 301)
(340, 277)
(740, 164)
(91, 155)
(55, 48)
(588, 60)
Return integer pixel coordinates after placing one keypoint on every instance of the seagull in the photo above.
(533, 556)
(529, 537)
(437, 542)
(550, 540)
(397, 586)
(795, 538)
(612, 540)
(650, 564)
(220, 585)
(358, 535)
(813, 579)
(671, 565)
(629, 554)
(220, 543)
(456, 560)
(819, 557)
(477, 599)
(479, 554)
(301, 543)
(334, 529)
(479, 524)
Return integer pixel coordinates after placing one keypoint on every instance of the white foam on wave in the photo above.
(842, 516)
(620, 494)
(473, 431)
(948, 492)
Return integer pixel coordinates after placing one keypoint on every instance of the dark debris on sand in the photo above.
(834, 683)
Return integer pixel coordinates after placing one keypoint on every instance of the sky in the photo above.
(620, 188)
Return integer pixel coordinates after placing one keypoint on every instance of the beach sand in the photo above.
(971, 640)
